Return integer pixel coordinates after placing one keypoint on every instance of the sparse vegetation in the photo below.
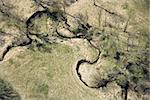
(106, 42)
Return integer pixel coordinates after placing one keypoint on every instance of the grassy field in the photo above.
(44, 76)
(46, 71)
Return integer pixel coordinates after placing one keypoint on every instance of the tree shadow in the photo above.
(7, 92)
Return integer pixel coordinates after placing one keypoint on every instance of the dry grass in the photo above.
(51, 76)
(44, 76)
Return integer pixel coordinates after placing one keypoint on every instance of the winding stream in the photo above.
(57, 18)
(80, 62)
